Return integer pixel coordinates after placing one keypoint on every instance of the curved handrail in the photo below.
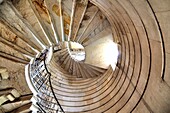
(45, 58)
(51, 84)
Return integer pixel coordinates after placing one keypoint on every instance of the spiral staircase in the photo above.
(39, 34)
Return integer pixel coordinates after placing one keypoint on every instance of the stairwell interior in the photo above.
(84, 56)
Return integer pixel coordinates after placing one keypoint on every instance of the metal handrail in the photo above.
(51, 85)
(40, 58)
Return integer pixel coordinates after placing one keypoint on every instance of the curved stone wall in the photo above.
(141, 27)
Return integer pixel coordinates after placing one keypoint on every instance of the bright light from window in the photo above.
(111, 54)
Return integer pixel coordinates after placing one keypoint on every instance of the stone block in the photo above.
(10, 97)
(3, 99)
(15, 93)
